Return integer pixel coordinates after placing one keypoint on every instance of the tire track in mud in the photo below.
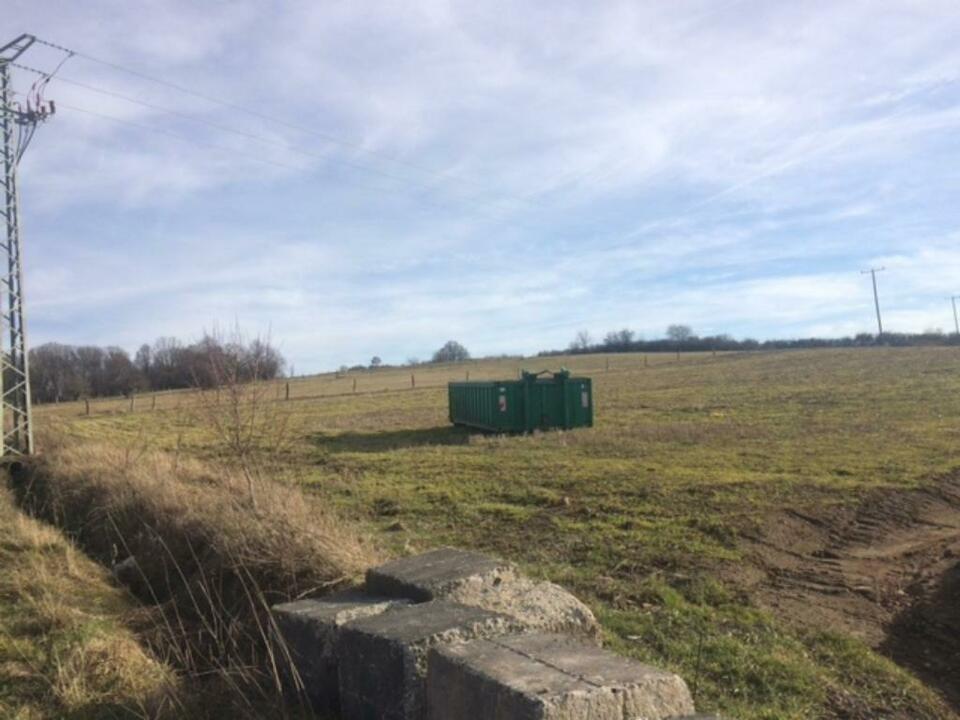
(886, 570)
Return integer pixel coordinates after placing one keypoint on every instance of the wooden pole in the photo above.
(86, 402)
(468, 376)
(153, 403)
(413, 381)
(287, 397)
(132, 398)
(354, 384)
(608, 364)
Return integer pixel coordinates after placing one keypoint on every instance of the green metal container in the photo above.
(531, 403)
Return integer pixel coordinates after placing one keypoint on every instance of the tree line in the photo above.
(681, 338)
(61, 372)
(452, 351)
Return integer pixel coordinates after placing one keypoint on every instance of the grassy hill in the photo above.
(651, 516)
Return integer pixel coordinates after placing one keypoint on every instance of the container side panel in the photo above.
(522, 406)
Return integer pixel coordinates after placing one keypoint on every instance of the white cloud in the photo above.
(501, 172)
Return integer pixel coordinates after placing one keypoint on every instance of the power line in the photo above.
(279, 121)
(491, 212)
(173, 134)
(232, 130)
(209, 123)
(226, 149)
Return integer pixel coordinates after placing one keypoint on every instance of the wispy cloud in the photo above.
(499, 172)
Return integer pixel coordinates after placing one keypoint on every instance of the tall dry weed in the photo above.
(186, 539)
(67, 634)
(235, 402)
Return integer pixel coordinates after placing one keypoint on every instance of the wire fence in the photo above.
(331, 386)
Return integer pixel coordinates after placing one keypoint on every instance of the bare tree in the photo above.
(619, 339)
(56, 373)
(143, 359)
(680, 333)
(236, 402)
(582, 341)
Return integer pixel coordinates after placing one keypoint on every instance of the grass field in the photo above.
(65, 648)
(643, 514)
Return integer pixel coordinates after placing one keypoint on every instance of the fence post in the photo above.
(287, 397)
(354, 384)
(153, 403)
(87, 403)
(132, 398)
(413, 381)
(608, 364)
(468, 376)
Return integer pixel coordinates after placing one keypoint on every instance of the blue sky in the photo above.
(504, 174)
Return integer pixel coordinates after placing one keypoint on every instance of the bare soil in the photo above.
(885, 569)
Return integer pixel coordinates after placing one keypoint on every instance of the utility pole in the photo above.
(19, 121)
(956, 322)
(876, 298)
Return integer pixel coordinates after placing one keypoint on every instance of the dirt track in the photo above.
(886, 570)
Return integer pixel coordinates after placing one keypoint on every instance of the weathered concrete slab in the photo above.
(310, 628)
(383, 659)
(547, 677)
(473, 579)
(437, 574)
(540, 606)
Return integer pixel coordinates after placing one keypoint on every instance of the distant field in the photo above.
(643, 515)
(381, 380)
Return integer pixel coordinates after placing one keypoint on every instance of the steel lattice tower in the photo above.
(17, 433)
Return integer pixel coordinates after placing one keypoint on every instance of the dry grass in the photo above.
(635, 514)
(187, 540)
(65, 649)
(368, 382)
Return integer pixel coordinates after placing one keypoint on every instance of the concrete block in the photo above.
(540, 606)
(383, 659)
(437, 574)
(480, 581)
(547, 677)
(310, 628)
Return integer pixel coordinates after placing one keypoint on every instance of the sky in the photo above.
(354, 179)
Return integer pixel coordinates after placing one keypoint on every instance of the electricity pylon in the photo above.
(19, 121)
